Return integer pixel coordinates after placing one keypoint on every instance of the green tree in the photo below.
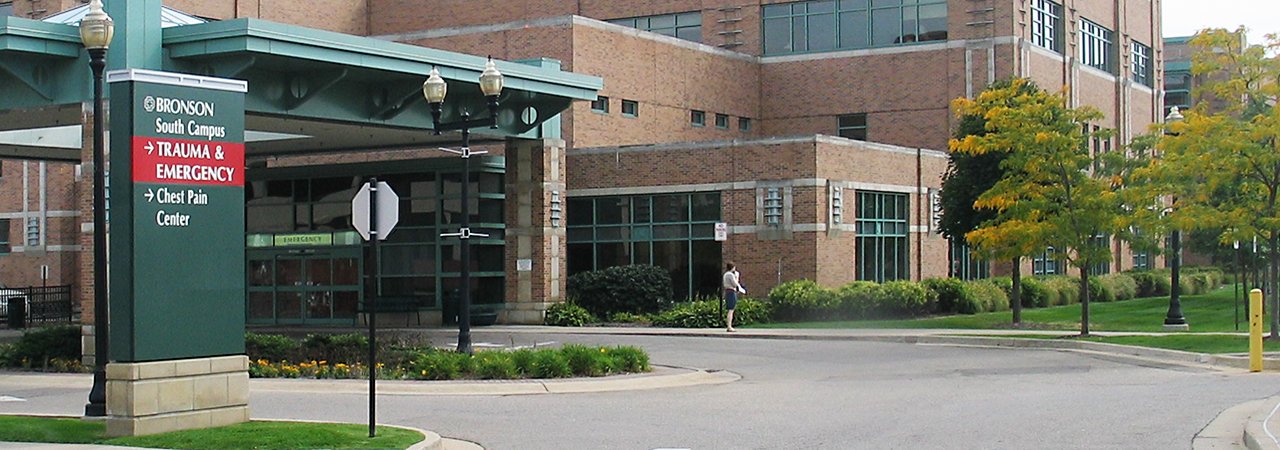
(1048, 194)
(971, 174)
(1223, 159)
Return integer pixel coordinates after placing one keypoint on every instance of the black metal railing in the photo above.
(44, 305)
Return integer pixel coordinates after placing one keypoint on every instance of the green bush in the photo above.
(591, 362)
(350, 347)
(44, 348)
(437, 365)
(625, 317)
(802, 299)
(1035, 294)
(633, 289)
(568, 315)
(271, 347)
(905, 299)
(707, 314)
(1099, 291)
(856, 300)
(550, 363)
(1121, 285)
(951, 292)
(984, 296)
(631, 359)
(495, 366)
(1151, 283)
(1066, 288)
(523, 360)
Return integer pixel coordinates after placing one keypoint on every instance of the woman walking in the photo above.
(732, 287)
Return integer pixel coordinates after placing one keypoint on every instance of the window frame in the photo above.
(722, 121)
(744, 124)
(1047, 33)
(5, 242)
(882, 225)
(852, 26)
(1140, 63)
(852, 131)
(600, 104)
(1097, 46)
(698, 118)
(682, 24)
(633, 105)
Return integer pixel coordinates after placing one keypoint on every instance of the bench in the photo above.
(395, 304)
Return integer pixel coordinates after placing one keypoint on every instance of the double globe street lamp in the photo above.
(96, 30)
(434, 89)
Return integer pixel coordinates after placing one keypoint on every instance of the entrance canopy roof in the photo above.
(309, 90)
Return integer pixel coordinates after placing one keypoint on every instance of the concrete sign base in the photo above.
(183, 394)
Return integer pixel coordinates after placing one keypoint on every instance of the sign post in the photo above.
(374, 213)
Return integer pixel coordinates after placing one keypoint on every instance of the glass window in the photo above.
(630, 108)
(853, 126)
(681, 240)
(823, 25)
(687, 26)
(698, 118)
(722, 121)
(1046, 24)
(1104, 267)
(4, 236)
(744, 124)
(1141, 63)
(964, 265)
(882, 237)
(1097, 46)
(1046, 263)
(600, 104)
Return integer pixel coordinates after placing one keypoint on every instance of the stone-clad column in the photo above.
(535, 254)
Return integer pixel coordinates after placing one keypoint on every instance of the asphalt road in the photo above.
(798, 394)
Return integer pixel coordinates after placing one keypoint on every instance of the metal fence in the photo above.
(46, 305)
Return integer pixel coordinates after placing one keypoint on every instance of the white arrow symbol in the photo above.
(150, 149)
(149, 195)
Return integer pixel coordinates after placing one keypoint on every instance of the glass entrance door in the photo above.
(306, 287)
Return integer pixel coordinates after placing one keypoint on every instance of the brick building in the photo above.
(814, 130)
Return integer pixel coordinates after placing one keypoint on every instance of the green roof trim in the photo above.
(1177, 39)
(239, 36)
(1177, 66)
(33, 36)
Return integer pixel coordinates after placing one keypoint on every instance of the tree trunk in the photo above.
(1084, 301)
(1015, 297)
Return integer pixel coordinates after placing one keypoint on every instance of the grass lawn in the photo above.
(1206, 313)
(251, 435)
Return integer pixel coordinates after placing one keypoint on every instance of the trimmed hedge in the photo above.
(56, 348)
(951, 293)
(639, 289)
(567, 314)
(706, 314)
(987, 297)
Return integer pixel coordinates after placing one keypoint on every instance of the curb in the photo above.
(1256, 434)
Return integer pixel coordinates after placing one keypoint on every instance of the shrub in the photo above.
(1066, 288)
(707, 314)
(633, 289)
(523, 359)
(802, 299)
(550, 363)
(568, 315)
(437, 365)
(1035, 294)
(495, 365)
(906, 299)
(951, 292)
(984, 296)
(625, 317)
(271, 347)
(631, 359)
(349, 347)
(1099, 291)
(43, 347)
(858, 300)
(1151, 283)
(587, 361)
(1121, 285)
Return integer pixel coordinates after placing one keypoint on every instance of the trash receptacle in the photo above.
(17, 312)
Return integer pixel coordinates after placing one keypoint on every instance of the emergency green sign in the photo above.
(176, 214)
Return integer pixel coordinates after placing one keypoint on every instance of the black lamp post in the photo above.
(96, 29)
(434, 90)
(1174, 319)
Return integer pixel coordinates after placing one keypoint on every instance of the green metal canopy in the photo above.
(309, 90)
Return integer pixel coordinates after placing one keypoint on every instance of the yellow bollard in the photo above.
(1255, 330)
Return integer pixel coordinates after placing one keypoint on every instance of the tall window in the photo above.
(672, 231)
(1097, 46)
(687, 26)
(1141, 67)
(4, 236)
(1104, 267)
(1046, 24)
(964, 265)
(824, 25)
(1046, 262)
(853, 126)
(881, 231)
